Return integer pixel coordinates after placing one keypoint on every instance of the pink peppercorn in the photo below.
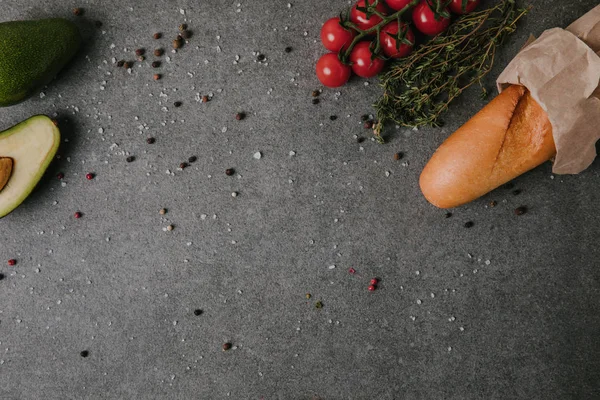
(372, 288)
(89, 176)
(77, 215)
(374, 281)
(12, 262)
(352, 271)
(60, 175)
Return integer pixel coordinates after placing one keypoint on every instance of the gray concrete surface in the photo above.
(505, 310)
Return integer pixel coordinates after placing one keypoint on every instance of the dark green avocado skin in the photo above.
(32, 53)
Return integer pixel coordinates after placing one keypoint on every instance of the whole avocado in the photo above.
(32, 53)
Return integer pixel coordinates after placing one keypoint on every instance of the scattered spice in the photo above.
(333, 117)
(156, 77)
(1, 276)
(351, 271)
(170, 228)
(158, 52)
(372, 288)
(12, 262)
(469, 224)
(140, 52)
(516, 192)
(177, 104)
(198, 312)
(141, 58)
(162, 211)
(186, 34)
(308, 295)
(315, 101)
(128, 64)
(240, 116)
(520, 210)
(60, 175)
(192, 159)
(84, 353)
(319, 304)
(374, 281)
(150, 140)
(315, 93)
(155, 64)
(364, 117)
(368, 125)
(493, 203)
(398, 156)
(288, 49)
(77, 215)
(448, 214)
(260, 57)
(360, 139)
(234, 194)
(130, 159)
(226, 346)
(177, 43)
(78, 12)
(120, 63)
(55, 122)
(182, 27)
(183, 165)
(157, 35)
(229, 171)
(205, 99)
(89, 176)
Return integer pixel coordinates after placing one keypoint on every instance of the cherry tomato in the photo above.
(334, 36)
(331, 72)
(397, 4)
(425, 19)
(456, 6)
(362, 65)
(388, 43)
(360, 18)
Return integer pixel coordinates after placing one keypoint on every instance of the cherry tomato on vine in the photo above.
(456, 6)
(388, 41)
(331, 72)
(427, 21)
(334, 36)
(397, 4)
(362, 65)
(360, 18)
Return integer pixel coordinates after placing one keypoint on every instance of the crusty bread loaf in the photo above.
(507, 138)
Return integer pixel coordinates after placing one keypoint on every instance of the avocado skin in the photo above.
(32, 53)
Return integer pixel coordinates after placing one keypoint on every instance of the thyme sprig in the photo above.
(419, 88)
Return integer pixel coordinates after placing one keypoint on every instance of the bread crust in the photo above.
(508, 137)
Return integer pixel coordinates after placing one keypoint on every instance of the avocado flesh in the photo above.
(32, 53)
(31, 145)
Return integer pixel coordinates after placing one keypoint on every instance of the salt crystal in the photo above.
(257, 155)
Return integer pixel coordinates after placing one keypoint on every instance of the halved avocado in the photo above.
(30, 146)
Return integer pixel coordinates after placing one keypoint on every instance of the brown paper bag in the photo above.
(561, 69)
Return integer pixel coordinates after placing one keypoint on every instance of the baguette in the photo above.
(508, 137)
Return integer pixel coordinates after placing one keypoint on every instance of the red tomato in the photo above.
(331, 72)
(456, 6)
(397, 4)
(388, 43)
(362, 65)
(334, 36)
(360, 18)
(425, 19)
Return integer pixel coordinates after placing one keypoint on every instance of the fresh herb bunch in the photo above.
(419, 88)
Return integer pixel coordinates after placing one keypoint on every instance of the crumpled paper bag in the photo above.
(561, 69)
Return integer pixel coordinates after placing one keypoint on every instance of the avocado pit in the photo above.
(6, 166)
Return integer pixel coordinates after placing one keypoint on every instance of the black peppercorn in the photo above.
(157, 35)
(469, 224)
(315, 101)
(192, 159)
(520, 210)
(177, 104)
(226, 346)
(155, 64)
(333, 117)
(360, 140)
(516, 192)
(183, 165)
(130, 159)
(186, 34)
(140, 52)
(1, 276)
(288, 49)
(240, 116)
(368, 124)
(364, 117)
(150, 140)
(315, 93)
(158, 52)
(398, 156)
(197, 312)
(448, 214)
(229, 171)
(120, 63)
(261, 57)
(84, 353)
